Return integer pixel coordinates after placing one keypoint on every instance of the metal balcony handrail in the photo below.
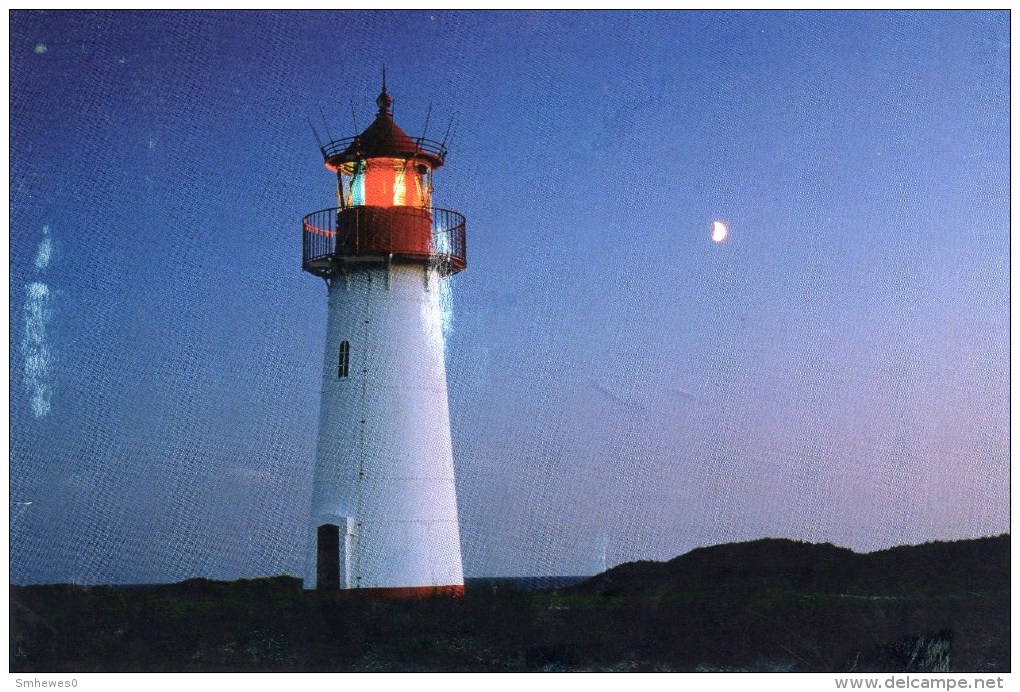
(338, 146)
(322, 254)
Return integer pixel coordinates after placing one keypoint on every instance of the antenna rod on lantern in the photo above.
(325, 124)
(354, 118)
(445, 136)
(456, 126)
(314, 133)
(425, 129)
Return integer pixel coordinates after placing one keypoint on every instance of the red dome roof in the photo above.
(385, 139)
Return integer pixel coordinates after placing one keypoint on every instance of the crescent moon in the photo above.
(719, 231)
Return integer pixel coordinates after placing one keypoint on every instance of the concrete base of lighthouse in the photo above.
(384, 506)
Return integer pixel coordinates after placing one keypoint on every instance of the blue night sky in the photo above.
(621, 387)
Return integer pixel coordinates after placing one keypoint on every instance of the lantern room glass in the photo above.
(385, 182)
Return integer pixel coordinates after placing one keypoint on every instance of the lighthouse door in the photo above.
(327, 569)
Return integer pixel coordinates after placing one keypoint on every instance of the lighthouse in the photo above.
(384, 503)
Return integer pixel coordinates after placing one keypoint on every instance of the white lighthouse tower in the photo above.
(384, 504)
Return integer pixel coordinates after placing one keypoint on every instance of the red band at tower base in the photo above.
(408, 593)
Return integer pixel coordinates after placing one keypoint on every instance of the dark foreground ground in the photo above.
(769, 605)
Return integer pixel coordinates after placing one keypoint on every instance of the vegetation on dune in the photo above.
(764, 605)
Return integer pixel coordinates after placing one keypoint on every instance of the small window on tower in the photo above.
(345, 359)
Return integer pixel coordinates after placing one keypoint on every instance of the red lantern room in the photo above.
(385, 213)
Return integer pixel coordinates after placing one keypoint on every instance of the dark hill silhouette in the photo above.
(771, 605)
(980, 565)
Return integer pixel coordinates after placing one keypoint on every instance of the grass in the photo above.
(673, 620)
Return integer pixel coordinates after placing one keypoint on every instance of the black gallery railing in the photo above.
(362, 236)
